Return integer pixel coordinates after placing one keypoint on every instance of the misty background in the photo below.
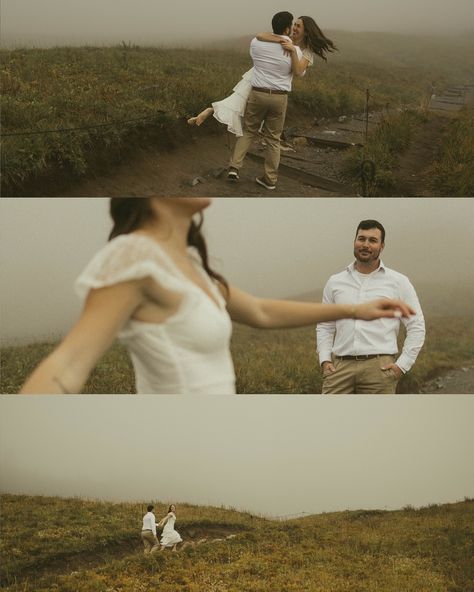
(103, 22)
(274, 247)
(273, 455)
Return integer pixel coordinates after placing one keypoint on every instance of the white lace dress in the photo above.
(188, 353)
(170, 536)
(230, 110)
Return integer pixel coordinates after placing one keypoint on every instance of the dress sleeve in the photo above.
(126, 258)
(308, 55)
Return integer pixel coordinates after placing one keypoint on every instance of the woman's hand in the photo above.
(288, 46)
(382, 308)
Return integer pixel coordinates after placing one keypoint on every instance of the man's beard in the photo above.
(372, 256)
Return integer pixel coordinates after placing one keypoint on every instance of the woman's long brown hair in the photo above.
(315, 40)
(131, 213)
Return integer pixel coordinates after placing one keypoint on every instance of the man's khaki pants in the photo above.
(361, 377)
(270, 108)
(150, 542)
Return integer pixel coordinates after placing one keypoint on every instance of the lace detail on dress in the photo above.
(128, 257)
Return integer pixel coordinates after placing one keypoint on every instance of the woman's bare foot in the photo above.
(201, 118)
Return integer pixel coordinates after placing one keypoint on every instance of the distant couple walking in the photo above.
(259, 100)
(169, 537)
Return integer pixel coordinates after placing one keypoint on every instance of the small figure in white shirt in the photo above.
(149, 538)
(357, 357)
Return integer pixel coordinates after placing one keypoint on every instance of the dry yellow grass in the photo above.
(77, 546)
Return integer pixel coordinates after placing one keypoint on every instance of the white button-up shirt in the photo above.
(149, 522)
(354, 337)
(272, 68)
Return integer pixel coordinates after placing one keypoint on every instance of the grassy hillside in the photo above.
(265, 361)
(82, 546)
(145, 93)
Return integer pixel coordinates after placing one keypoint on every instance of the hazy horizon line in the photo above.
(48, 41)
(296, 515)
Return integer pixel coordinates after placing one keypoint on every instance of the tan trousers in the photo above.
(361, 377)
(271, 109)
(150, 542)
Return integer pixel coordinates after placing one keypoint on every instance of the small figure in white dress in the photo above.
(306, 35)
(153, 287)
(169, 537)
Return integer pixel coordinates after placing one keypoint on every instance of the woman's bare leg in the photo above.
(201, 118)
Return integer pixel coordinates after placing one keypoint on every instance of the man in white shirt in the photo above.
(149, 538)
(360, 357)
(267, 102)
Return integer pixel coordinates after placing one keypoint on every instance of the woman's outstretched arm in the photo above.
(265, 313)
(67, 368)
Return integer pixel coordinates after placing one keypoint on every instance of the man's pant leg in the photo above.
(150, 542)
(342, 381)
(255, 112)
(272, 129)
(372, 380)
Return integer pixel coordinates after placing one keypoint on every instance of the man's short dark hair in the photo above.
(282, 21)
(149, 508)
(369, 224)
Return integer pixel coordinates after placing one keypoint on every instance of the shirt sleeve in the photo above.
(415, 327)
(153, 524)
(325, 331)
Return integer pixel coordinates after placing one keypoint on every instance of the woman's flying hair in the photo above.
(315, 39)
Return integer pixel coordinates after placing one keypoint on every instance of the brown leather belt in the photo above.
(367, 357)
(270, 91)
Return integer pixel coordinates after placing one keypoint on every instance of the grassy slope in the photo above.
(265, 362)
(425, 550)
(69, 87)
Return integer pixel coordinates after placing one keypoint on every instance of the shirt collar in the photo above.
(351, 267)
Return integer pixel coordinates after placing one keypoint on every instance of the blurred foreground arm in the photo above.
(264, 313)
(67, 368)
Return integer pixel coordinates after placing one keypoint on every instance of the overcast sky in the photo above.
(152, 21)
(273, 455)
(276, 247)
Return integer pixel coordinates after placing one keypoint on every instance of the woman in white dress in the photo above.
(169, 537)
(152, 286)
(306, 35)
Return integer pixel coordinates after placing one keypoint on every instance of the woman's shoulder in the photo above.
(126, 257)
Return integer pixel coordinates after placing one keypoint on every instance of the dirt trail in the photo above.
(193, 161)
(171, 173)
(412, 176)
(93, 558)
(453, 382)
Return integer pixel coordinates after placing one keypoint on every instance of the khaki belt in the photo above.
(270, 91)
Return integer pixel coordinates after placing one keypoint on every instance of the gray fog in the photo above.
(61, 22)
(273, 455)
(275, 247)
